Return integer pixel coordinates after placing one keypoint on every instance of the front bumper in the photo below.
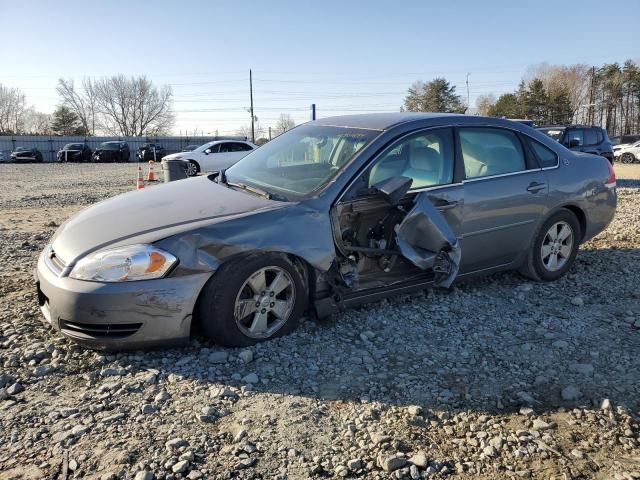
(118, 316)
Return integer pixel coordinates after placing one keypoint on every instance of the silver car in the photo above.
(331, 214)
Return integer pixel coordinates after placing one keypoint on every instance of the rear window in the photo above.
(545, 156)
(590, 136)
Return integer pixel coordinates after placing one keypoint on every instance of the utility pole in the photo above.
(313, 111)
(468, 101)
(269, 133)
(253, 131)
(590, 112)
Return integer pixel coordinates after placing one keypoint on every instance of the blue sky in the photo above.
(346, 56)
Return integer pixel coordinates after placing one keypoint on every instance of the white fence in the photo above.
(49, 145)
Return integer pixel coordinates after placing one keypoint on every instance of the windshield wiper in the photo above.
(258, 191)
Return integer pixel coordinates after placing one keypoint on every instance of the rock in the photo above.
(528, 411)
(80, 430)
(606, 404)
(252, 378)
(414, 410)
(180, 467)
(239, 436)
(570, 393)
(15, 388)
(147, 409)
(4, 395)
(541, 425)
(195, 475)
(582, 368)
(218, 357)
(246, 356)
(112, 372)
(577, 453)
(355, 464)
(420, 460)
(163, 396)
(490, 451)
(378, 438)
(391, 463)
(341, 471)
(143, 475)
(577, 301)
(175, 443)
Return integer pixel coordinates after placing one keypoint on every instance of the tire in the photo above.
(541, 267)
(627, 158)
(226, 310)
(193, 168)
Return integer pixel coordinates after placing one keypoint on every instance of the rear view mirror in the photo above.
(393, 189)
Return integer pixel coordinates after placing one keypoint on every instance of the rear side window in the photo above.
(546, 157)
(490, 151)
(575, 134)
(600, 135)
(590, 136)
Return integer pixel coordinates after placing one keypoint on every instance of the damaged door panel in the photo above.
(383, 244)
(425, 238)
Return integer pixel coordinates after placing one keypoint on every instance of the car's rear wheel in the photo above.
(627, 158)
(251, 300)
(554, 249)
(192, 168)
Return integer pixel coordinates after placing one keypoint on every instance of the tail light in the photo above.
(611, 180)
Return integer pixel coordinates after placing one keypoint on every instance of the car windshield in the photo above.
(23, 149)
(555, 132)
(109, 146)
(202, 148)
(73, 146)
(299, 161)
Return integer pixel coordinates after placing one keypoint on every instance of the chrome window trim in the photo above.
(501, 175)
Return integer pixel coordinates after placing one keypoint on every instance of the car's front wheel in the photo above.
(627, 158)
(192, 168)
(251, 300)
(554, 249)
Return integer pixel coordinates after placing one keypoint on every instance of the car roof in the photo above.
(381, 121)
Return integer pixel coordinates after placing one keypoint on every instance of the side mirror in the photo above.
(574, 142)
(207, 151)
(393, 189)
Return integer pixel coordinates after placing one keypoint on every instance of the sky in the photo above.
(346, 56)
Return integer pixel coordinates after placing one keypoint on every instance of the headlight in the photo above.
(124, 264)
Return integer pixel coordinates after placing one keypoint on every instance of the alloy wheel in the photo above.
(264, 302)
(627, 158)
(557, 246)
(192, 169)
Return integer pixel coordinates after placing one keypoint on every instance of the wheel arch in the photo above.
(580, 215)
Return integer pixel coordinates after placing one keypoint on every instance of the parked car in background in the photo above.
(330, 214)
(581, 138)
(524, 121)
(213, 156)
(74, 152)
(190, 148)
(150, 151)
(26, 154)
(116, 151)
(624, 140)
(627, 153)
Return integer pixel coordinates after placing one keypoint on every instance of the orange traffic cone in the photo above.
(140, 182)
(151, 177)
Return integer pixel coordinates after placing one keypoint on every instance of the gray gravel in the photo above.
(496, 378)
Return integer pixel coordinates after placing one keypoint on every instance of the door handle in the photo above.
(446, 205)
(535, 187)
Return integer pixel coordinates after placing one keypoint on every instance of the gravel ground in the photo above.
(496, 378)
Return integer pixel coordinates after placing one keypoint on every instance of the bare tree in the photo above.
(36, 123)
(484, 103)
(82, 101)
(245, 131)
(119, 105)
(12, 107)
(284, 123)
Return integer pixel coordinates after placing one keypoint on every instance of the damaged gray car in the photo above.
(331, 214)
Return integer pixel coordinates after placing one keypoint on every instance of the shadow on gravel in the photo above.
(491, 344)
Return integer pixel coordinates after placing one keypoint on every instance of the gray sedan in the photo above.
(331, 214)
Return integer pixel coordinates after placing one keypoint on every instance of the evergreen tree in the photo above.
(65, 122)
(434, 96)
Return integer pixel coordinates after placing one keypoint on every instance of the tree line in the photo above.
(607, 96)
(117, 105)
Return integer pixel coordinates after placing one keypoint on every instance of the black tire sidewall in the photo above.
(541, 271)
(215, 308)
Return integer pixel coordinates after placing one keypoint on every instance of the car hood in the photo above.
(149, 215)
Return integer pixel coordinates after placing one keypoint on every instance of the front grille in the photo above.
(99, 330)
